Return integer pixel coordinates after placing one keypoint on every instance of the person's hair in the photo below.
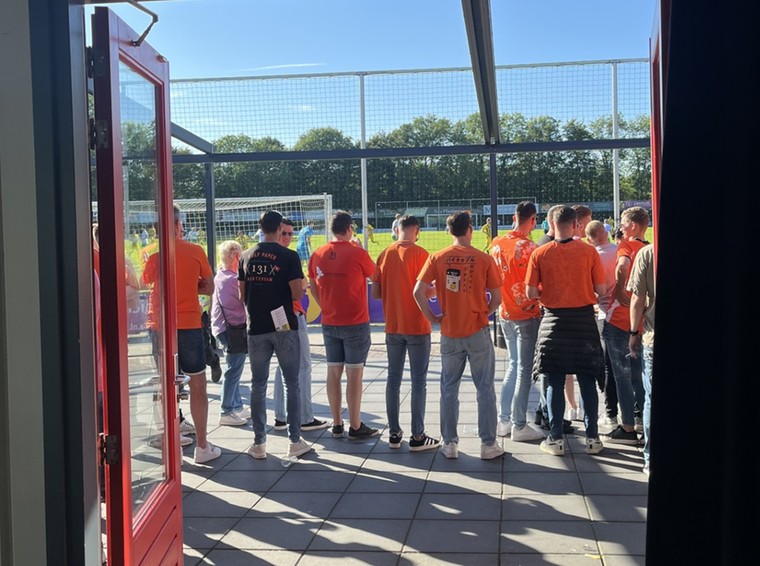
(340, 222)
(408, 220)
(595, 231)
(177, 215)
(96, 232)
(398, 215)
(270, 221)
(458, 223)
(524, 211)
(227, 250)
(551, 214)
(582, 210)
(565, 215)
(636, 214)
(617, 235)
(288, 222)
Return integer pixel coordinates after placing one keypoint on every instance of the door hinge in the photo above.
(100, 137)
(109, 449)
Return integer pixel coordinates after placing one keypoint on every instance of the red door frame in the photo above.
(155, 537)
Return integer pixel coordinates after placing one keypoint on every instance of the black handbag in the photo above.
(237, 335)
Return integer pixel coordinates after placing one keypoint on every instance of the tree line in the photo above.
(571, 176)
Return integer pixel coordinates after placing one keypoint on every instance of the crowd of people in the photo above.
(574, 308)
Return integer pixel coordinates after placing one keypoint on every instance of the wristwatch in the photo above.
(633, 332)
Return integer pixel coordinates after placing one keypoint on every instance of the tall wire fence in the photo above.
(263, 123)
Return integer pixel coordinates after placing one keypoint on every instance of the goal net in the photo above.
(238, 218)
(234, 218)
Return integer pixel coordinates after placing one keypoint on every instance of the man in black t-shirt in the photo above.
(269, 276)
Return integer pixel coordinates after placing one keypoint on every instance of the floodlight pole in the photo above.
(363, 161)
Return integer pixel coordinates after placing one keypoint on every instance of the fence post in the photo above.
(210, 189)
(363, 161)
(615, 152)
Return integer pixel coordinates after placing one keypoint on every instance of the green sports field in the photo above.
(431, 241)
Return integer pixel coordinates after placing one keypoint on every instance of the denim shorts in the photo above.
(191, 348)
(347, 345)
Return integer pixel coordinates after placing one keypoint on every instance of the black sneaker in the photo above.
(316, 424)
(280, 425)
(567, 426)
(622, 436)
(395, 439)
(424, 443)
(362, 432)
(337, 430)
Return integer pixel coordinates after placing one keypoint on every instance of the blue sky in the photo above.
(222, 38)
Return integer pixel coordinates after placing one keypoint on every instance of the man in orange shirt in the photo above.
(519, 317)
(463, 275)
(193, 277)
(566, 275)
(338, 273)
(634, 222)
(406, 329)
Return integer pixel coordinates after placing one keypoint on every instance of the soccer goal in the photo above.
(238, 217)
(235, 218)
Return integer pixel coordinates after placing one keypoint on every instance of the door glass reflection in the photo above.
(143, 276)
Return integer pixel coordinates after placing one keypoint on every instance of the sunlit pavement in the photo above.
(360, 502)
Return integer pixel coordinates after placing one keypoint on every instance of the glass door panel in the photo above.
(137, 99)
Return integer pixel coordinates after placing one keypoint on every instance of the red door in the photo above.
(135, 218)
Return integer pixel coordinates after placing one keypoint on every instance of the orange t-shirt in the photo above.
(462, 275)
(191, 265)
(511, 253)
(397, 268)
(340, 271)
(617, 314)
(566, 273)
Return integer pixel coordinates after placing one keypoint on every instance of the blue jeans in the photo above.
(304, 378)
(418, 346)
(555, 399)
(455, 352)
(646, 376)
(260, 348)
(627, 370)
(231, 399)
(520, 337)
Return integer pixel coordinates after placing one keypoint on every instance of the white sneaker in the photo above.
(503, 429)
(553, 447)
(526, 434)
(232, 419)
(449, 449)
(491, 451)
(299, 448)
(186, 427)
(594, 446)
(258, 451)
(210, 452)
(244, 413)
(185, 440)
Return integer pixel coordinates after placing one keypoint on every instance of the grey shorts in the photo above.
(347, 345)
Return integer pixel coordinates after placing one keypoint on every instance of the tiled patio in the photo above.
(359, 502)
